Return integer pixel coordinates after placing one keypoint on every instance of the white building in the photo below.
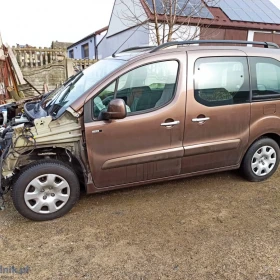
(227, 20)
(87, 47)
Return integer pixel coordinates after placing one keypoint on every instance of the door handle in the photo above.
(96, 131)
(170, 123)
(201, 119)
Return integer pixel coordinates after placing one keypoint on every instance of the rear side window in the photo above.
(221, 81)
(265, 78)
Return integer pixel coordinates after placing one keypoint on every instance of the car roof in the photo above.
(248, 50)
(135, 55)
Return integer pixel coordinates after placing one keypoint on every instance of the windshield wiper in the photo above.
(72, 77)
(66, 91)
(37, 106)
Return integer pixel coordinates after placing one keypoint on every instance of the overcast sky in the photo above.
(276, 3)
(38, 23)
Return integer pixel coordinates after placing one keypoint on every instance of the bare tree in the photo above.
(168, 18)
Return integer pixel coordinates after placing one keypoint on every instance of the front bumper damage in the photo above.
(42, 138)
(6, 141)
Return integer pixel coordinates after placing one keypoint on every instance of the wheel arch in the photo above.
(272, 135)
(59, 153)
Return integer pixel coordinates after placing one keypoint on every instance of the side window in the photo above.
(221, 81)
(148, 87)
(101, 101)
(265, 78)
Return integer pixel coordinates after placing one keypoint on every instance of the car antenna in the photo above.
(114, 54)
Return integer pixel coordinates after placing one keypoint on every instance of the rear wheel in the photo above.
(45, 190)
(261, 160)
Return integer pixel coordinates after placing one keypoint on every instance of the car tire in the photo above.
(261, 160)
(45, 190)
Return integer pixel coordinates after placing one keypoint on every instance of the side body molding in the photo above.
(144, 158)
(211, 147)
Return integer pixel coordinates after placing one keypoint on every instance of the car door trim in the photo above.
(144, 158)
(212, 147)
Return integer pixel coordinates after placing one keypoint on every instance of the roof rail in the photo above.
(137, 48)
(193, 42)
(133, 49)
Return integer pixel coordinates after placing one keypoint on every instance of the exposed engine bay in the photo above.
(28, 133)
(11, 115)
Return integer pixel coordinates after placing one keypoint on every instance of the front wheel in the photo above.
(45, 190)
(261, 160)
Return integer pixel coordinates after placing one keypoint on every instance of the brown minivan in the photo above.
(146, 115)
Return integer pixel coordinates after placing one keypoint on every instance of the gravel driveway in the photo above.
(210, 227)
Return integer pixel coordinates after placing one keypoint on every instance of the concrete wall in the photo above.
(53, 74)
(46, 66)
(136, 36)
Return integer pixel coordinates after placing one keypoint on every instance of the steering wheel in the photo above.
(107, 100)
(99, 118)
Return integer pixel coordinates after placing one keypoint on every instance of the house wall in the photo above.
(78, 49)
(223, 34)
(137, 36)
(99, 37)
(123, 16)
(143, 37)
(264, 36)
(122, 32)
(236, 34)
(184, 33)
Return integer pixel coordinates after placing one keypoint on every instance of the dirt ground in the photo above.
(211, 227)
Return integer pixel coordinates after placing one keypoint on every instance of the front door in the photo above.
(147, 144)
(218, 110)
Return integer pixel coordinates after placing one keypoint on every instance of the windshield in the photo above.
(59, 100)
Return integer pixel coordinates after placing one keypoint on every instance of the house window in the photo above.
(71, 54)
(85, 51)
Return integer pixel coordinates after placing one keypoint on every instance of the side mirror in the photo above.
(116, 110)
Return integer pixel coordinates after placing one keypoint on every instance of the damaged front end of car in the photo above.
(6, 141)
(41, 138)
